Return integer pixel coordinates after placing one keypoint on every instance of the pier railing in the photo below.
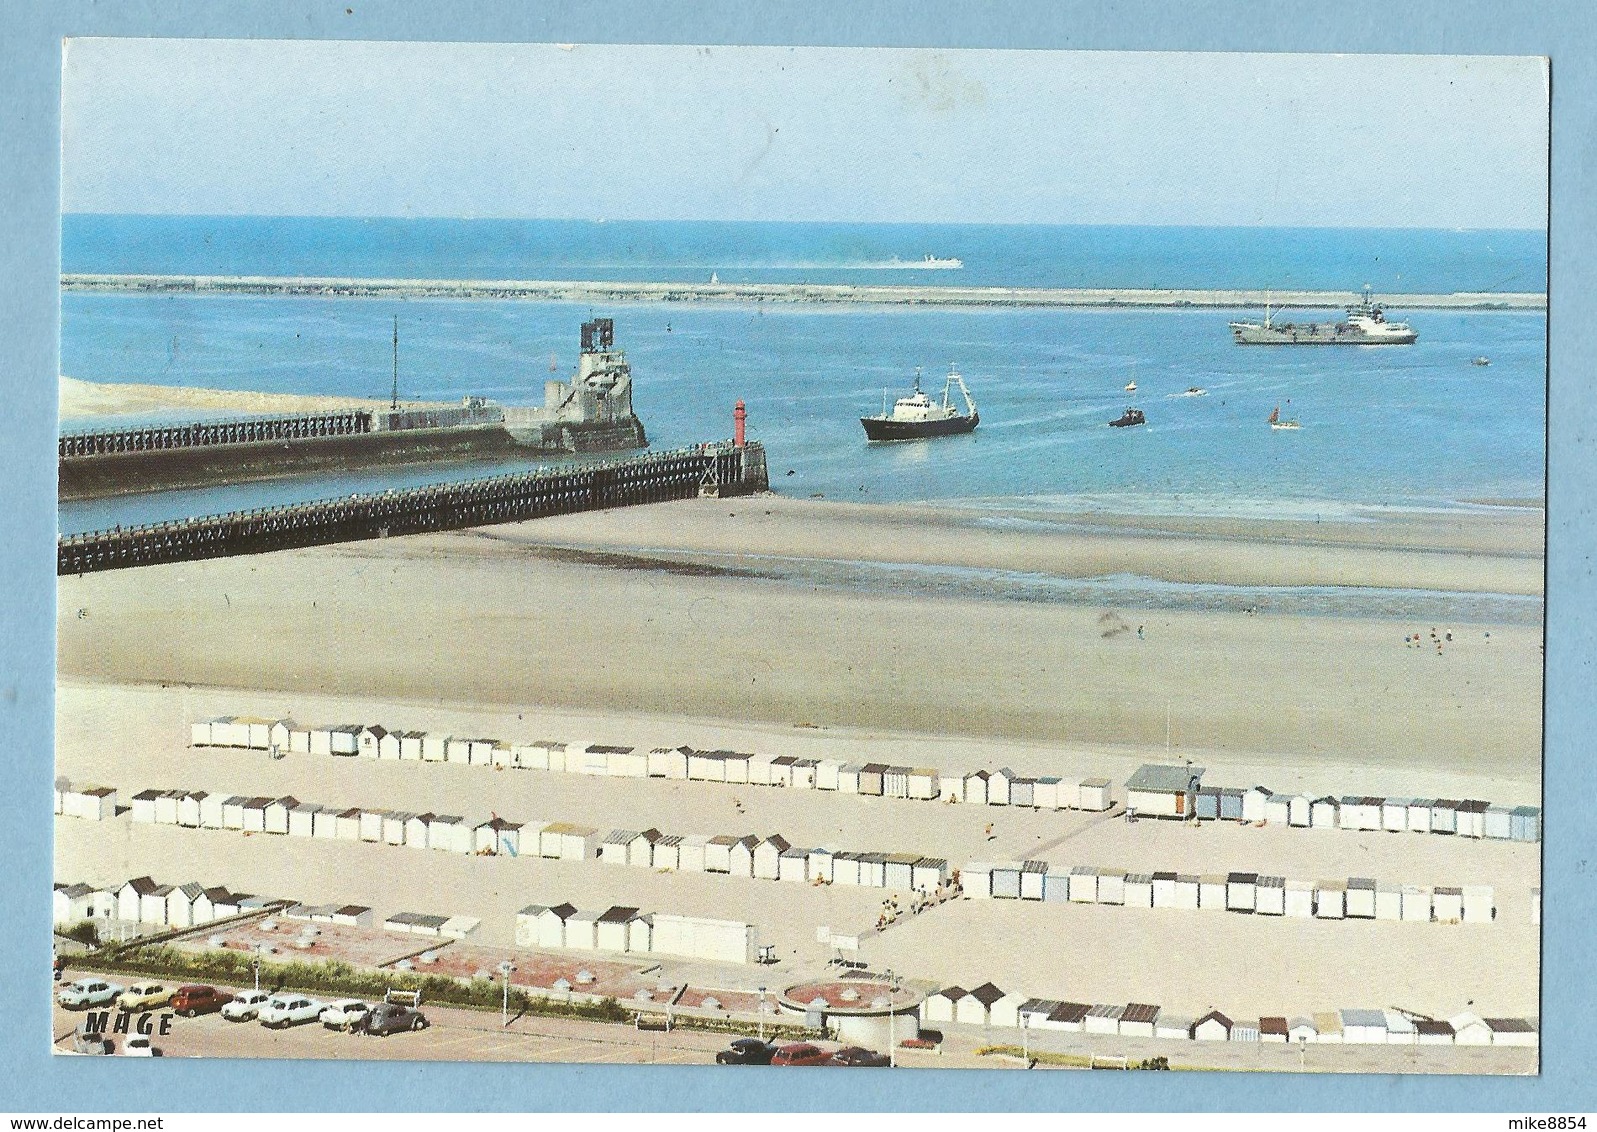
(718, 468)
(206, 434)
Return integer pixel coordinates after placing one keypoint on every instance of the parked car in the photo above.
(199, 999)
(346, 1014)
(799, 1053)
(138, 1045)
(144, 996)
(92, 1044)
(391, 1017)
(857, 1057)
(746, 1051)
(245, 1006)
(87, 992)
(289, 1010)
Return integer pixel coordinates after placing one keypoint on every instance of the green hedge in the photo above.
(336, 977)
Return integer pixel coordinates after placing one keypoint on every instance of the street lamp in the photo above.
(762, 1013)
(504, 1011)
(1025, 1039)
(892, 1021)
(255, 962)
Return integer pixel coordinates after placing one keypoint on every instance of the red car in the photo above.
(800, 1053)
(199, 999)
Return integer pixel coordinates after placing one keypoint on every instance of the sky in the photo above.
(336, 128)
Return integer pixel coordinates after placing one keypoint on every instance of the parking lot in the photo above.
(454, 1034)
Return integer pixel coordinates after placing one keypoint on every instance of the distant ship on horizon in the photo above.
(929, 262)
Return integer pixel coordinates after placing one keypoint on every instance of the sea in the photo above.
(1421, 426)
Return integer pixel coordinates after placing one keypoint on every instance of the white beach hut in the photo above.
(1330, 899)
(1479, 906)
(1447, 905)
(1270, 896)
(1299, 899)
(1139, 890)
(1388, 902)
(1416, 903)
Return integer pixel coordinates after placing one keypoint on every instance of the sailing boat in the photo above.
(1277, 422)
(554, 363)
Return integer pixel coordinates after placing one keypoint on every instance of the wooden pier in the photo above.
(722, 468)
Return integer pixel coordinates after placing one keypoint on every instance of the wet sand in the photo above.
(488, 617)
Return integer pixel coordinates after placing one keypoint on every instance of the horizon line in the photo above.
(1391, 227)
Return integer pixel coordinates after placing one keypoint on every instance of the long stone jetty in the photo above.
(795, 293)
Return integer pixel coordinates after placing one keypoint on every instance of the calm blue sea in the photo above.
(1397, 427)
(1391, 261)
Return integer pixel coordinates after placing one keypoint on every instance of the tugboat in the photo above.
(918, 417)
(1366, 325)
(1128, 418)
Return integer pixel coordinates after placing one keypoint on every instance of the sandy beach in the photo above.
(525, 616)
(80, 398)
(692, 623)
(1113, 954)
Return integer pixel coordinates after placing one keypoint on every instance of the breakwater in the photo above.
(722, 468)
(602, 291)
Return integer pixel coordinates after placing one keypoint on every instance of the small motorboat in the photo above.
(1483, 360)
(1129, 418)
(1277, 423)
(1131, 387)
(1194, 391)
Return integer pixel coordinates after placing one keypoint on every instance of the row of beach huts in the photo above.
(1356, 898)
(989, 1006)
(1002, 787)
(1152, 791)
(1164, 791)
(625, 930)
(761, 858)
(775, 858)
(143, 900)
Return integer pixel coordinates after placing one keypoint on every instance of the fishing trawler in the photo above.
(918, 417)
(1365, 325)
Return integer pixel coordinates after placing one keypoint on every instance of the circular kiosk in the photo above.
(862, 1011)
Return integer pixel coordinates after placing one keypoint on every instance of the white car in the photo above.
(245, 1005)
(139, 1046)
(289, 1010)
(345, 1014)
(87, 992)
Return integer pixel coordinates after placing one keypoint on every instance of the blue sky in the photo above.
(663, 133)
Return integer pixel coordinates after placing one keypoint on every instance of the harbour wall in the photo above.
(721, 468)
(98, 464)
(600, 291)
